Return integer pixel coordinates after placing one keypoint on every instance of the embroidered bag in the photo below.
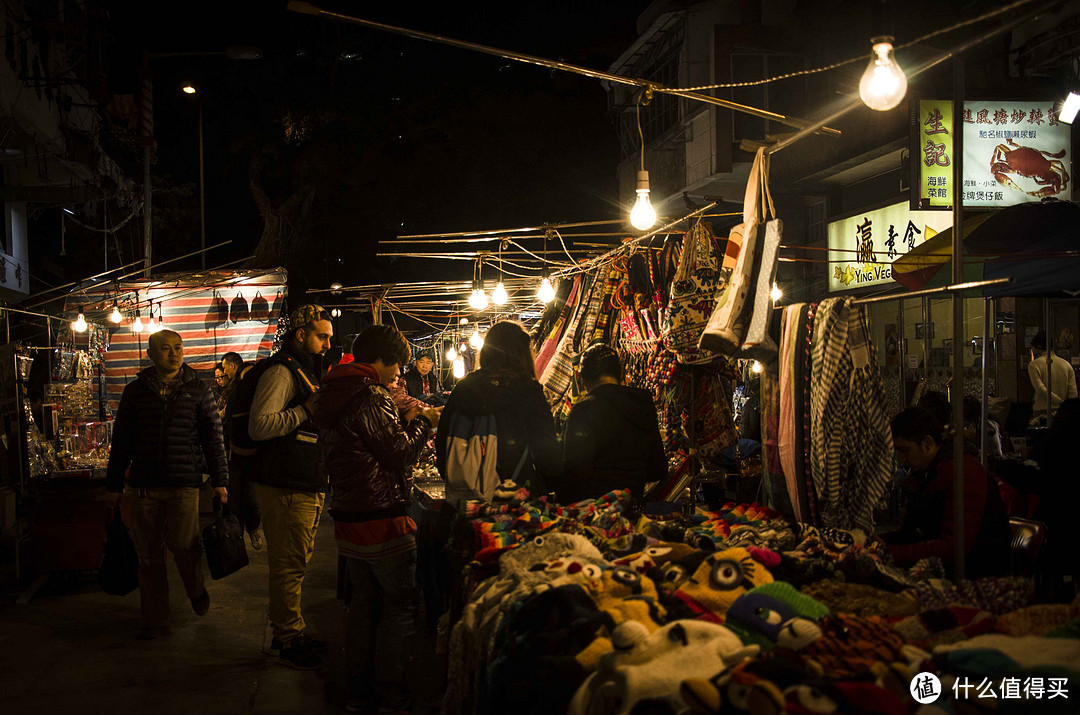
(693, 295)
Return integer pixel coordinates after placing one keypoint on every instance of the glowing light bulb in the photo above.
(476, 339)
(116, 316)
(335, 288)
(459, 368)
(776, 294)
(451, 354)
(79, 324)
(463, 321)
(499, 296)
(188, 89)
(546, 291)
(335, 312)
(756, 367)
(643, 215)
(883, 84)
(478, 300)
(137, 324)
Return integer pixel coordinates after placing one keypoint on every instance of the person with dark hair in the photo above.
(245, 505)
(221, 383)
(612, 437)
(369, 453)
(167, 431)
(937, 403)
(1062, 376)
(420, 381)
(506, 386)
(928, 528)
(1052, 477)
(346, 349)
(290, 481)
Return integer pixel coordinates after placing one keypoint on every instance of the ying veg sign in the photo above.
(862, 247)
(1014, 152)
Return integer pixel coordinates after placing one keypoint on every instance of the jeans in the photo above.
(290, 520)
(381, 625)
(242, 499)
(160, 519)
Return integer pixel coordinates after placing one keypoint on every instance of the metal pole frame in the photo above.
(957, 397)
(202, 192)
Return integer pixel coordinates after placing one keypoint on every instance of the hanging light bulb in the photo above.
(883, 84)
(476, 339)
(499, 296)
(160, 318)
(335, 312)
(776, 294)
(151, 325)
(463, 321)
(756, 367)
(451, 354)
(546, 291)
(335, 288)
(478, 299)
(137, 324)
(79, 324)
(116, 317)
(643, 215)
(459, 368)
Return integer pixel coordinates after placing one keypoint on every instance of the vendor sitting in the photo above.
(420, 381)
(611, 440)
(929, 527)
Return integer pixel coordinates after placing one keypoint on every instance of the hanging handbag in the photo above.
(260, 309)
(119, 572)
(223, 542)
(758, 344)
(727, 326)
(239, 309)
(218, 312)
(693, 294)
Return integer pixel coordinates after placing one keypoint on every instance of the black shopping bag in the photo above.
(119, 572)
(223, 542)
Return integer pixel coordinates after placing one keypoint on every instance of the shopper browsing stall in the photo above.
(612, 439)
(167, 427)
(369, 453)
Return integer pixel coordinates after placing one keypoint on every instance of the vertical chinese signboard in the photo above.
(1014, 152)
(862, 247)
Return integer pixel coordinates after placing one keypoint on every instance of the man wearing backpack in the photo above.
(288, 473)
(369, 452)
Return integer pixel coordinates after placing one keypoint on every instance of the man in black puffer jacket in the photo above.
(167, 431)
(369, 452)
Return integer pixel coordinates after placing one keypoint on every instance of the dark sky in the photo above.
(383, 130)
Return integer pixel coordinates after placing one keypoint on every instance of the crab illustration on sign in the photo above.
(1046, 169)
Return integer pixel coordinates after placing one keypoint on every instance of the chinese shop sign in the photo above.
(1013, 152)
(862, 247)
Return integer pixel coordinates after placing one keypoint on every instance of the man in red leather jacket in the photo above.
(369, 452)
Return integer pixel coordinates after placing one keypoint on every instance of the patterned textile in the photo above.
(697, 283)
(560, 370)
(851, 446)
(547, 350)
(995, 594)
(758, 342)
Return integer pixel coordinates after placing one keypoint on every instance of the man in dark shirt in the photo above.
(612, 439)
(421, 382)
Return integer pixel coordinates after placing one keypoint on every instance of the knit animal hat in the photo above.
(800, 603)
(307, 314)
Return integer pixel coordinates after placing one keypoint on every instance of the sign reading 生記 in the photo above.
(1013, 152)
(863, 247)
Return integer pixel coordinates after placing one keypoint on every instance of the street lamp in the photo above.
(191, 91)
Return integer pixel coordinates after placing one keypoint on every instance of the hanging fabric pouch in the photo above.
(759, 344)
(727, 326)
(218, 312)
(693, 294)
(260, 309)
(239, 309)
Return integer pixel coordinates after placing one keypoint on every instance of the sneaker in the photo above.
(256, 538)
(201, 604)
(297, 655)
(149, 633)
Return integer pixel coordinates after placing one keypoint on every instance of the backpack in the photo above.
(472, 457)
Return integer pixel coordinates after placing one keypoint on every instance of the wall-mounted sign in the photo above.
(1013, 152)
(862, 247)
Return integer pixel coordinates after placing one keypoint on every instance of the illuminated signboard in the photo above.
(1013, 152)
(862, 247)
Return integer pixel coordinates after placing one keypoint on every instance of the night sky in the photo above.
(382, 134)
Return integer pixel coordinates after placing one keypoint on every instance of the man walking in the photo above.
(241, 448)
(290, 482)
(167, 428)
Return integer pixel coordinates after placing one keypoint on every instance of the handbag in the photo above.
(119, 572)
(759, 343)
(693, 295)
(238, 310)
(223, 542)
(727, 326)
(260, 309)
